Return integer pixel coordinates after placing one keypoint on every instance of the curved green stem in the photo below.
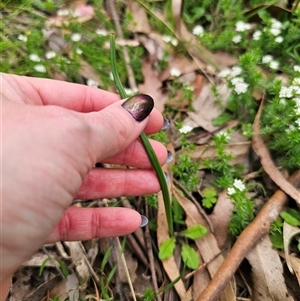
(148, 147)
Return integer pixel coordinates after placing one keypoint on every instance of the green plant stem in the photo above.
(148, 147)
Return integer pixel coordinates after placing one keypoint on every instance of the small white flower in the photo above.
(50, 55)
(256, 35)
(63, 12)
(241, 88)
(224, 135)
(296, 81)
(92, 83)
(290, 128)
(241, 26)
(279, 39)
(239, 185)
(111, 76)
(185, 129)
(267, 59)
(40, 68)
(230, 191)
(225, 73)
(236, 39)
(276, 24)
(274, 65)
(236, 70)
(286, 92)
(78, 51)
(130, 92)
(76, 37)
(237, 80)
(297, 68)
(198, 30)
(34, 57)
(101, 32)
(175, 72)
(275, 31)
(167, 39)
(22, 38)
(298, 122)
(174, 42)
(282, 101)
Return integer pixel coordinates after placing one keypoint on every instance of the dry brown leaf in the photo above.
(183, 64)
(79, 258)
(267, 270)
(152, 86)
(239, 150)
(288, 233)
(132, 265)
(220, 219)
(295, 265)
(205, 107)
(141, 23)
(38, 259)
(206, 245)
(39, 294)
(266, 161)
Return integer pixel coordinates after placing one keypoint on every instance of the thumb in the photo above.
(115, 127)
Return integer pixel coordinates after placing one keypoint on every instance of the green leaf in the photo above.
(290, 219)
(277, 240)
(190, 257)
(209, 192)
(166, 248)
(43, 266)
(194, 232)
(209, 197)
(222, 119)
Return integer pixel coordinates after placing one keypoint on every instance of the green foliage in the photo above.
(194, 232)
(178, 212)
(166, 248)
(186, 171)
(210, 197)
(190, 257)
(291, 216)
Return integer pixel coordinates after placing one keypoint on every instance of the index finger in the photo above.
(75, 97)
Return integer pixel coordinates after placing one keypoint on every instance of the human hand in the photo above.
(53, 133)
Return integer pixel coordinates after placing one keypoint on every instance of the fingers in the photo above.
(88, 223)
(114, 128)
(76, 97)
(108, 183)
(136, 156)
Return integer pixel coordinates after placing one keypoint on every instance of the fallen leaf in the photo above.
(205, 107)
(152, 85)
(220, 219)
(79, 258)
(267, 273)
(288, 233)
(141, 22)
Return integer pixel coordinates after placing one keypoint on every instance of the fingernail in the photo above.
(144, 221)
(167, 176)
(139, 106)
(169, 157)
(166, 124)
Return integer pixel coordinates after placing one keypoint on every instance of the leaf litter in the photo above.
(221, 259)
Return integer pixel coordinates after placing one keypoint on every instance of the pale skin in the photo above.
(53, 133)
